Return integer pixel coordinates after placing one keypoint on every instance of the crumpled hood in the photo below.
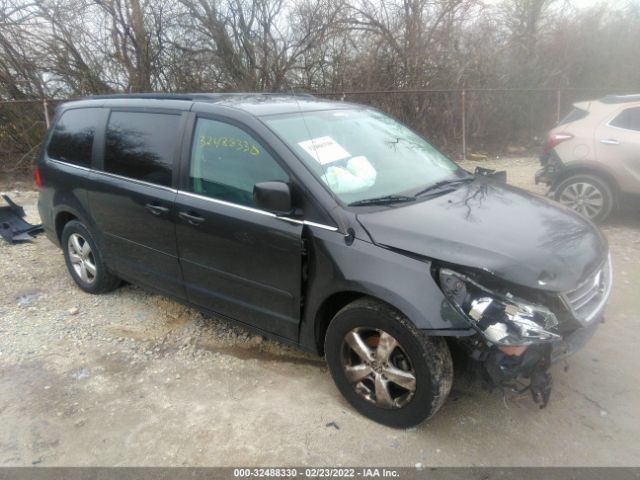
(515, 235)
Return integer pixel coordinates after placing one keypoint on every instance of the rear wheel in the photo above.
(586, 194)
(384, 366)
(84, 261)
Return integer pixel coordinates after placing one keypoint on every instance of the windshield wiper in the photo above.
(443, 183)
(384, 200)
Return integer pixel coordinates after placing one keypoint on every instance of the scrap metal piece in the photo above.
(499, 176)
(13, 227)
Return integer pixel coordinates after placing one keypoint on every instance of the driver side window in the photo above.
(226, 162)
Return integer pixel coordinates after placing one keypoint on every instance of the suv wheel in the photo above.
(84, 261)
(384, 366)
(587, 195)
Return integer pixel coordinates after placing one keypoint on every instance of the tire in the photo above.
(426, 359)
(84, 261)
(588, 195)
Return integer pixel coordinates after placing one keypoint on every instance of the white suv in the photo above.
(592, 158)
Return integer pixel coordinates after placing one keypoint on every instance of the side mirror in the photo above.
(273, 197)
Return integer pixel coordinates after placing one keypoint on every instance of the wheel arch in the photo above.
(328, 309)
(61, 219)
(336, 301)
(588, 168)
(66, 207)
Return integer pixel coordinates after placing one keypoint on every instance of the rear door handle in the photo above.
(610, 141)
(156, 209)
(191, 218)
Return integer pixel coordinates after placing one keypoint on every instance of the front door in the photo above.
(237, 260)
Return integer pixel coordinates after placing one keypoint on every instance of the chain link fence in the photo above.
(470, 123)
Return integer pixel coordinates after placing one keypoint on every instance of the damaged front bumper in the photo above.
(517, 340)
(529, 370)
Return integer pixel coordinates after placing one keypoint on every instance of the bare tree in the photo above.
(69, 48)
(20, 75)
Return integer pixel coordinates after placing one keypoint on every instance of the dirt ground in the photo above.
(132, 378)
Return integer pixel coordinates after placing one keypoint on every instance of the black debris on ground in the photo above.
(13, 227)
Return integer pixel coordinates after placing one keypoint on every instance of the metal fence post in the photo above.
(464, 126)
(46, 112)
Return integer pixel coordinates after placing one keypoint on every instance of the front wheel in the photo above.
(384, 366)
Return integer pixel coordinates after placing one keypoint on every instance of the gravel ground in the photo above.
(132, 378)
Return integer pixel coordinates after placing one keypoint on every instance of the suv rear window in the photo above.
(628, 119)
(574, 115)
(72, 138)
(141, 146)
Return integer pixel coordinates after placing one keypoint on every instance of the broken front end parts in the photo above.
(516, 340)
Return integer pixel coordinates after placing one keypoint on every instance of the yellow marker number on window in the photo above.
(225, 142)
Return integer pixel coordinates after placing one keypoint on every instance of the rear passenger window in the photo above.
(628, 119)
(226, 162)
(72, 138)
(141, 146)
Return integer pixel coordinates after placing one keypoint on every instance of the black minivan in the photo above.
(327, 225)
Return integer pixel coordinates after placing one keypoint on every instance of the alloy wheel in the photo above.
(378, 367)
(584, 198)
(81, 258)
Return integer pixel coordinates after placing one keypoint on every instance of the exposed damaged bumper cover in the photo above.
(531, 366)
(529, 371)
(13, 227)
(523, 364)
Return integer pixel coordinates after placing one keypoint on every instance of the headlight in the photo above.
(503, 319)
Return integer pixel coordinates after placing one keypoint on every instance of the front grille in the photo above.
(588, 300)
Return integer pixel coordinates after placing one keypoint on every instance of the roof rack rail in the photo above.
(192, 96)
(153, 96)
(621, 98)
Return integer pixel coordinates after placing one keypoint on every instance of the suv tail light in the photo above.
(37, 179)
(555, 139)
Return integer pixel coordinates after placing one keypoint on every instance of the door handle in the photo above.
(610, 141)
(191, 218)
(156, 209)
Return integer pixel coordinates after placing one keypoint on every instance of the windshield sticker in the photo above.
(225, 142)
(324, 150)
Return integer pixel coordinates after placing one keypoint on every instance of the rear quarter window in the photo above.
(141, 146)
(629, 119)
(72, 137)
(573, 116)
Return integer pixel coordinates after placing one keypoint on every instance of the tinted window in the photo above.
(226, 163)
(141, 146)
(629, 119)
(72, 138)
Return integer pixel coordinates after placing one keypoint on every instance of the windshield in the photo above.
(362, 154)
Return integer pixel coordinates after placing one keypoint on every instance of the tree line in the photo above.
(70, 48)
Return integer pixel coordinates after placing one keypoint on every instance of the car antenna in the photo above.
(306, 127)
